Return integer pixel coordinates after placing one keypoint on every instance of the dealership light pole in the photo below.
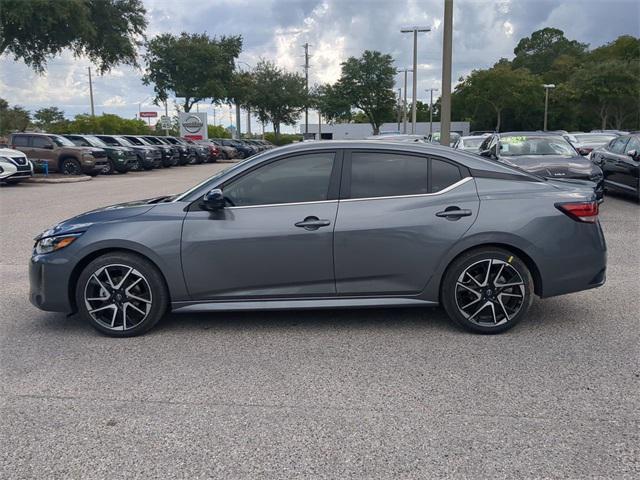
(415, 31)
(306, 86)
(399, 108)
(404, 106)
(547, 87)
(445, 98)
(431, 90)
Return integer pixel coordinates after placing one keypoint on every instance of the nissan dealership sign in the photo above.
(193, 125)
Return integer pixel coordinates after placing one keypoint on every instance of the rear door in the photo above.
(44, 151)
(614, 162)
(398, 214)
(630, 176)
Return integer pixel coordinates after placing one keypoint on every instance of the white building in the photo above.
(359, 131)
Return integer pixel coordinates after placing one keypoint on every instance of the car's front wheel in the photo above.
(487, 290)
(121, 294)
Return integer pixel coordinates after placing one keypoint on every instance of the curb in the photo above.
(55, 179)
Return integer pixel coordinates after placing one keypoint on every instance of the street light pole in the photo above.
(547, 87)
(415, 31)
(404, 106)
(93, 113)
(431, 90)
(445, 98)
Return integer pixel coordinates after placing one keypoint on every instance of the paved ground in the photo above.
(325, 394)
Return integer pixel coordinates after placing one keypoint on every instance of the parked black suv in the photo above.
(148, 157)
(119, 159)
(170, 152)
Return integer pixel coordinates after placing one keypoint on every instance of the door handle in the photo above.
(454, 213)
(312, 223)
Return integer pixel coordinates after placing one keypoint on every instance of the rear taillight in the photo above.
(580, 211)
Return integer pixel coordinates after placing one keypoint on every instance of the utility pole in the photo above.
(547, 87)
(404, 106)
(238, 135)
(306, 83)
(249, 121)
(166, 114)
(415, 31)
(431, 90)
(445, 104)
(399, 107)
(93, 112)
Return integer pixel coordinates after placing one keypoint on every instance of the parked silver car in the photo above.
(330, 224)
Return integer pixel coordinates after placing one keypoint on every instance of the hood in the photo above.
(9, 152)
(82, 222)
(554, 166)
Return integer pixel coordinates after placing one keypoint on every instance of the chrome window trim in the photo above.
(415, 195)
(280, 204)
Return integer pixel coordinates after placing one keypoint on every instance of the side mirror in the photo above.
(633, 154)
(213, 200)
(48, 146)
(584, 152)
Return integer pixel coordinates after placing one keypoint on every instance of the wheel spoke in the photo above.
(136, 308)
(126, 290)
(505, 285)
(493, 311)
(102, 286)
(99, 309)
(124, 315)
(486, 278)
(506, 294)
(473, 278)
(464, 307)
(124, 278)
(133, 297)
(466, 287)
(497, 276)
(506, 314)
(484, 305)
(106, 272)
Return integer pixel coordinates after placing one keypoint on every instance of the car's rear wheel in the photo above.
(70, 166)
(487, 290)
(109, 168)
(121, 294)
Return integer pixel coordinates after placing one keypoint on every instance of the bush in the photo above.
(285, 138)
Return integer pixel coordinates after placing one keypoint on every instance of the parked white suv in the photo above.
(14, 166)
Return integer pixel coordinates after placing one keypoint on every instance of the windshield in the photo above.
(518, 145)
(589, 138)
(94, 141)
(135, 141)
(472, 142)
(61, 141)
(124, 141)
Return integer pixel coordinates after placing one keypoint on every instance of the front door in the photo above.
(401, 214)
(275, 237)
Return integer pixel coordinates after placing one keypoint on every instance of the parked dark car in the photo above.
(148, 157)
(417, 225)
(587, 142)
(119, 159)
(59, 154)
(620, 163)
(187, 155)
(227, 152)
(201, 151)
(243, 150)
(170, 153)
(166, 154)
(548, 155)
(214, 150)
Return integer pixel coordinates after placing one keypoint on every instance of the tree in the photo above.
(46, 118)
(367, 83)
(191, 66)
(331, 103)
(106, 31)
(278, 96)
(499, 88)
(538, 52)
(217, 131)
(610, 88)
(13, 119)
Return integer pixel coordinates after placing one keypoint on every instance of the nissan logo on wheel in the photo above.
(192, 124)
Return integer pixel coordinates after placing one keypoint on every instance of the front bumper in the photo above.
(49, 279)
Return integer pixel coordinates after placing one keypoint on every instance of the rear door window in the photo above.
(618, 145)
(634, 144)
(41, 142)
(388, 174)
(443, 174)
(20, 140)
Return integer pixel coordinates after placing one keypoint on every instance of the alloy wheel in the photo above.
(118, 297)
(490, 292)
(71, 167)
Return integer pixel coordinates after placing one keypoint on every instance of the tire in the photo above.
(484, 304)
(140, 294)
(224, 156)
(110, 169)
(70, 166)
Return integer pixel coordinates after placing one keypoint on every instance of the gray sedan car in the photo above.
(330, 224)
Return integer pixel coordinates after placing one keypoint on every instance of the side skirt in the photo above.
(294, 304)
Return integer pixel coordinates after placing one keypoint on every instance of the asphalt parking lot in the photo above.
(379, 393)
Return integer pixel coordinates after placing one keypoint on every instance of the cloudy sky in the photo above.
(484, 31)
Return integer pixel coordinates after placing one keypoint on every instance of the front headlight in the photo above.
(51, 244)
(87, 155)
